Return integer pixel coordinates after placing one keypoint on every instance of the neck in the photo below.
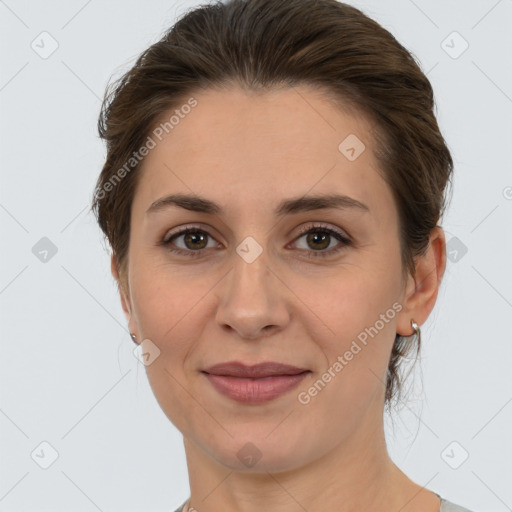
(356, 474)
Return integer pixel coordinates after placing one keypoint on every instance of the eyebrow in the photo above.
(289, 206)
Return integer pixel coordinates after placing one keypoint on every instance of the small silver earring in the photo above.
(417, 329)
(134, 338)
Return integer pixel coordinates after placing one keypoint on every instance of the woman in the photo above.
(272, 190)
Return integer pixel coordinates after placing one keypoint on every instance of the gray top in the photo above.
(446, 506)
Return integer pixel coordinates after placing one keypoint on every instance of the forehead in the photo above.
(237, 146)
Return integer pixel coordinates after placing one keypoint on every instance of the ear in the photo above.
(421, 291)
(124, 295)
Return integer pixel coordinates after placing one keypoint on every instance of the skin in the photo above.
(247, 152)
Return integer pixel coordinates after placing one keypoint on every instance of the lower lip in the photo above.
(255, 391)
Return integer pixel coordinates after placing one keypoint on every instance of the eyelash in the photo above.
(304, 231)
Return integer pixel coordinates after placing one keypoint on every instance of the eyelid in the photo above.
(319, 226)
(182, 230)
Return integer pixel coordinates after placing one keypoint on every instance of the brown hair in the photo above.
(264, 44)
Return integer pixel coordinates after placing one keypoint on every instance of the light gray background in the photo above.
(68, 375)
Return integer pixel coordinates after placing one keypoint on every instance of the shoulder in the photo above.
(448, 506)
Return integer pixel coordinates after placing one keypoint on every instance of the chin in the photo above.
(259, 453)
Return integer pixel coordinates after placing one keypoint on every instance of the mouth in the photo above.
(254, 384)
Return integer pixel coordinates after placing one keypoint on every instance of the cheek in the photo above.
(169, 305)
(360, 310)
(353, 300)
(169, 312)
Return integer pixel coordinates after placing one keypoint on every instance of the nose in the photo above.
(253, 300)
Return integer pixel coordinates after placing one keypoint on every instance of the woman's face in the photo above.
(252, 285)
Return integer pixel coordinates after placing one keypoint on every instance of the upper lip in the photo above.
(260, 370)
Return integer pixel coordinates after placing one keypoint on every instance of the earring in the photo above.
(134, 338)
(417, 330)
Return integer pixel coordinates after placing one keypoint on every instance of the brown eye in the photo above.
(191, 242)
(319, 238)
(195, 239)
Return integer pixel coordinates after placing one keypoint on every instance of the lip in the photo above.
(254, 384)
(256, 371)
